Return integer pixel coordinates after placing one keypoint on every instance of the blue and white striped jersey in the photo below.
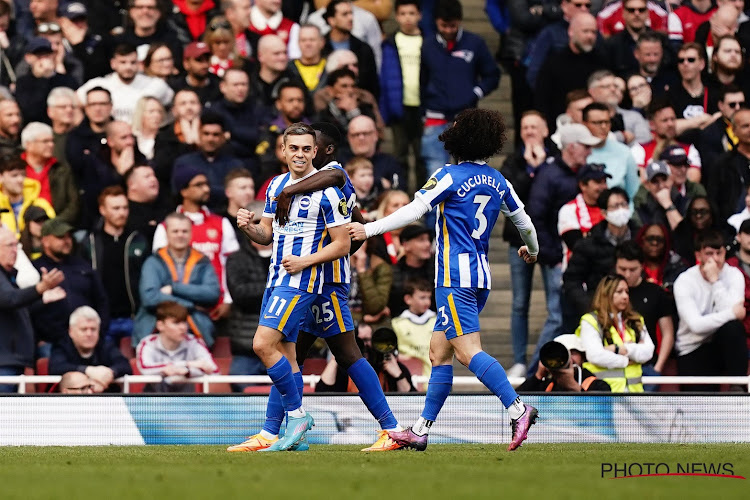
(304, 234)
(338, 270)
(469, 197)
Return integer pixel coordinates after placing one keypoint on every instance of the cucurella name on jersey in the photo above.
(469, 197)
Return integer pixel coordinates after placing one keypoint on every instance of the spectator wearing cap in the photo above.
(17, 340)
(741, 260)
(578, 216)
(609, 152)
(126, 85)
(652, 302)
(213, 157)
(33, 87)
(116, 253)
(212, 235)
(417, 262)
(17, 193)
(594, 257)
(554, 185)
(662, 120)
(664, 197)
(728, 180)
(178, 273)
(31, 236)
(85, 45)
(189, 18)
(82, 284)
(196, 59)
(710, 297)
(571, 377)
(65, 62)
(56, 179)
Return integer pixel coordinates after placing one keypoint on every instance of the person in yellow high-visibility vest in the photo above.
(614, 337)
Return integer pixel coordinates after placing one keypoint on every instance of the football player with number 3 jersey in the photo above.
(468, 197)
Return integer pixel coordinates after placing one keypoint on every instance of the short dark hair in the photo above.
(329, 132)
(289, 84)
(730, 88)
(400, 3)
(533, 112)
(337, 74)
(594, 106)
(299, 128)
(449, 10)
(4, 9)
(629, 250)
(9, 163)
(476, 134)
(417, 285)
(213, 118)
(98, 89)
(110, 191)
(656, 105)
(648, 36)
(123, 49)
(129, 172)
(237, 173)
(331, 8)
(709, 238)
(607, 193)
(171, 309)
(576, 95)
(693, 46)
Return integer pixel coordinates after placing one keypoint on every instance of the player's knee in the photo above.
(463, 358)
(261, 348)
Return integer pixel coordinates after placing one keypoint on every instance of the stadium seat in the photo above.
(135, 388)
(415, 366)
(42, 368)
(30, 388)
(257, 389)
(314, 366)
(221, 348)
(126, 347)
(223, 388)
(670, 370)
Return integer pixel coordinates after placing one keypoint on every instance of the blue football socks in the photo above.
(491, 374)
(366, 380)
(275, 409)
(284, 381)
(441, 382)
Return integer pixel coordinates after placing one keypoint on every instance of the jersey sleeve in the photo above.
(269, 209)
(567, 219)
(511, 202)
(436, 189)
(335, 208)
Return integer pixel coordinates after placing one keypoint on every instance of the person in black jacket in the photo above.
(84, 351)
(88, 47)
(729, 177)
(594, 257)
(17, 339)
(117, 253)
(520, 170)
(82, 285)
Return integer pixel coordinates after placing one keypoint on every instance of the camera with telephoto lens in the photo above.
(384, 343)
(554, 356)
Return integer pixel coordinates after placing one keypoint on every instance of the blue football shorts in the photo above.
(284, 309)
(329, 314)
(458, 310)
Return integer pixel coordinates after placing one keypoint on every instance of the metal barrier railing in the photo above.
(464, 382)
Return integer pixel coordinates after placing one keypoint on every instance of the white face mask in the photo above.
(619, 217)
(265, 253)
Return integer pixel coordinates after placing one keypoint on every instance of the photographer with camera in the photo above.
(380, 348)
(561, 369)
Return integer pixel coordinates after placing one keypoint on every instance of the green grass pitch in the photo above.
(539, 471)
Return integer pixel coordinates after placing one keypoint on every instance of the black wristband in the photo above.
(617, 349)
(670, 208)
(401, 377)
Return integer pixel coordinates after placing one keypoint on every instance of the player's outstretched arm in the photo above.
(319, 181)
(400, 218)
(261, 233)
(526, 229)
(337, 248)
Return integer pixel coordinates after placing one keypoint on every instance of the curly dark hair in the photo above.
(476, 134)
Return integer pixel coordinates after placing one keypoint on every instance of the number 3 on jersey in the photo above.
(481, 200)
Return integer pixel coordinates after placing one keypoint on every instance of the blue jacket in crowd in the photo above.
(391, 100)
(453, 81)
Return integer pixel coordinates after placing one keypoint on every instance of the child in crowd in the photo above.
(414, 326)
(361, 173)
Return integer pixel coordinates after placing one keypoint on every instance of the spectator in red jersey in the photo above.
(615, 17)
(266, 19)
(693, 13)
(237, 12)
(221, 42)
(189, 18)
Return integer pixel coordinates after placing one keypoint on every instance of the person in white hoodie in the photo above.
(710, 299)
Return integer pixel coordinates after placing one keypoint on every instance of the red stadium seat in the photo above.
(669, 370)
(257, 389)
(126, 347)
(415, 366)
(30, 388)
(223, 364)
(42, 368)
(314, 366)
(221, 348)
(135, 388)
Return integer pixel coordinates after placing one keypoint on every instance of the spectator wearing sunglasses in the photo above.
(661, 265)
(694, 105)
(630, 15)
(719, 137)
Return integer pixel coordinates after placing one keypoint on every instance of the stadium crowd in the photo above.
(131, 133)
